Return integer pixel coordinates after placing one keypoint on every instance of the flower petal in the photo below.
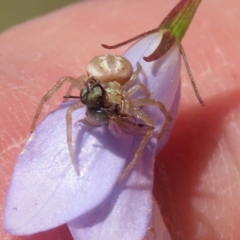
(124, 215)
(45, 191)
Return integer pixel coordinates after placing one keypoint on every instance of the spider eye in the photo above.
(93, 95)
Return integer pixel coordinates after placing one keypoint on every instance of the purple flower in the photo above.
(45, 190)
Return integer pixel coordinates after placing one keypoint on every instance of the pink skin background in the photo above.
(197, 176)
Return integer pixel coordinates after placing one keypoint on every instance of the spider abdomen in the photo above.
(109, 68)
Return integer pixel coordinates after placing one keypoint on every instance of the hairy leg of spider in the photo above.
(184, 57)
(75, 84)
(136, 87)
(69, 133)
(136, 156)
(134, 76)
(145, 118)
(47, 96)
(140, 102)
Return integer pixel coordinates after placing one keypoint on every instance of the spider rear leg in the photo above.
(136, 156)
(141, 102)
(145, 118)
(138, 113)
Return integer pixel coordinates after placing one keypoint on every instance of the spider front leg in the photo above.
(69, 133)
(47, 96)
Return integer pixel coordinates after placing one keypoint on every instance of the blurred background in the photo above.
(13, 12)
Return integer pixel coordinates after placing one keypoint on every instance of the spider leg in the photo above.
(134, 76)
(140, 102)
(78, 83)
(136, 156)
(69, 133)
(47, 96)
(137, 112)
(145, 118)
(136, 87)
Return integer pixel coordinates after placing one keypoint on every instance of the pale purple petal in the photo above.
(126, 214)
(45, 191)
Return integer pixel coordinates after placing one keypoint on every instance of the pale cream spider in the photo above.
(106, 92)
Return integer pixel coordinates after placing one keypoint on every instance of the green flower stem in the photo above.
(179, 19)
